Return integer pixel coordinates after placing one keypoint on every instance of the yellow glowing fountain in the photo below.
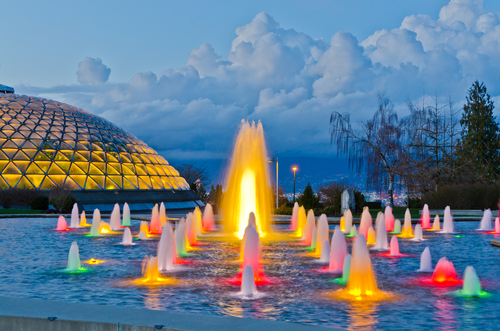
(247, 182)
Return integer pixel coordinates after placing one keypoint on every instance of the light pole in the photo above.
(294, 170)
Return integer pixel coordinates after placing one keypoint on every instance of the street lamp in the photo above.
(271, 160)
(294, 170)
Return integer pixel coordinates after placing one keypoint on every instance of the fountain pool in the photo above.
(298, 292)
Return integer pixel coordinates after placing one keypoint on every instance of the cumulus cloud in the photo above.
(292, 82)
(92, 71)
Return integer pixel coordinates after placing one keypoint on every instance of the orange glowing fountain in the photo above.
(247, 183)
(151, 274)
(361, 284)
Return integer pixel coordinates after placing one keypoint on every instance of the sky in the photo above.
(181, 75)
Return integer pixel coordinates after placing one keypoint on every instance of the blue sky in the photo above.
(181, 75)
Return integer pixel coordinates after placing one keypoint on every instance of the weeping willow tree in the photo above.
(373, 146)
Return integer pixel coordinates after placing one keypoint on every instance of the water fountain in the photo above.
(353, 233)
(394, 247)
(485, 224)
(418, 233)
(348, 221)
(444, 273)
(361, 284)
(389, 219)
(126, 215)
(191, 229)
(471, 286)
(301, 222)
(75, 219)
(426, 261)
(144, 230)
(345, 272)
(366, 222)
(309, 228)
(397, 227)
(322, 234)
(251, 254)
(197, 221)
(83, 220)
(295, 217)
(208, 218)
(127, 237)
(163, 215)
(115, 218)
(251, 226)
(381, 234)
(407, 231)
(448, 226)
(181, 238)
(142, 236)
(426, 218)
(62, 225)
(99, 227)
(74, 263)
(338, 250)
(436, 226)
(497, 225)
(150, 273)
(314, 239)
(248, 287)
(325, 252)
(342, 223)
(167, 251)
(371, 240)
(155, 224)
(247, 182)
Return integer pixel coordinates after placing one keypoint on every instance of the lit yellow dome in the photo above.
(45, 142)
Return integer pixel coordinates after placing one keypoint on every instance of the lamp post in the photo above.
(271, 160)
(294, 170)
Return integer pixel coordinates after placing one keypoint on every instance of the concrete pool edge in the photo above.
(33, 314)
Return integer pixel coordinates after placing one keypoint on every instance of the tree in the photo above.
(480, 133)
(374, 146)
(331, 194)
(215, 197)
(282, 199)
(308, 200)
(192, 172)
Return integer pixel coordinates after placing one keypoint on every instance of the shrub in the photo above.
(331, 211)
(472, 196)
(283, 210)
(61, 198)
(19, 197)
(373, 204)
(308, 199)
(40, 202)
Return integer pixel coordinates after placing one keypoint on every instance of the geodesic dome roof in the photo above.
(45, 142)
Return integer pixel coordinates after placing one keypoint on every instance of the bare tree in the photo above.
(373, 146)
(192, 173)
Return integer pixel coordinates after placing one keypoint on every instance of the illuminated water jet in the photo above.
(251, 254)
(167, 252)
(62, 225)
(497, 225)
(418, 233)
(436, 226)
(248, 287)
(485, 224)
(342, 223)
(83, 220)
(309, 228)
(389, 219)
(151, 274)
(325, 252)
(127, 237)
(163, 215)
(345, 272)
(142, 236)
(353, 233)
(394, 247)
(448, 226)
(144, 228)
(95, 230)
(314, 239)
(126, 215)
(348, 221)
(75, 219)
(426, 218)
(74, 263)
(247, 182)
(155, 224)
(472, 286)
(338, 250)
(426, 261)
(208, 218)
(322, 234)
(366, 222)
(115, 218)
(191, 229)
(251, 226)
(407, 231)
(197, 221)
(444, 273)
(371, 237)
(181, 238)
(301, 222)
(381, 233)
(397, 227)
(295, 217)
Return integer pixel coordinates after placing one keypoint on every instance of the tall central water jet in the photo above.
(247, 182)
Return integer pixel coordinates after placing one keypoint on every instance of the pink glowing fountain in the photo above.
(62, 225)
(444, 273)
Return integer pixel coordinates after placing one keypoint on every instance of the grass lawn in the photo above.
(20, 211)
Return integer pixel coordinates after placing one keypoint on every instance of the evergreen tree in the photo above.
(480, 134)
(308, 199)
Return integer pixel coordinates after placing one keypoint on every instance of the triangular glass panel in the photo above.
(3, 164)
(28, 145)
(22, 165)
(84, 166)
(41, 157)
(44, 165)
(3, 184)
(34, 169)
(25, 183)
(21, 156)
(117, 180)
(55, 170)
(141, 170)
(166, 182)
(64, 165)
(112, 157)
(111, 185)
(99, 180)
(128, 185)
(12, 180)
(146, 180)
(61, 157)
(157, 184)
(11, 169)
(9, 144)
(151, 170)
(96, 158)
(76, 170)
(128, 169)
(125, 157)
(80, 180)
(110, 170)
(134, 180)
(93, 170)
(71, 184)
(36, 180)
(58, 179)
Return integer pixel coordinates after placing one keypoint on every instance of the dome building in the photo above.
(45, 143)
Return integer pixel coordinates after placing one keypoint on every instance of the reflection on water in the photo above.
(445, 314)
(362, 316)
(152, 299)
